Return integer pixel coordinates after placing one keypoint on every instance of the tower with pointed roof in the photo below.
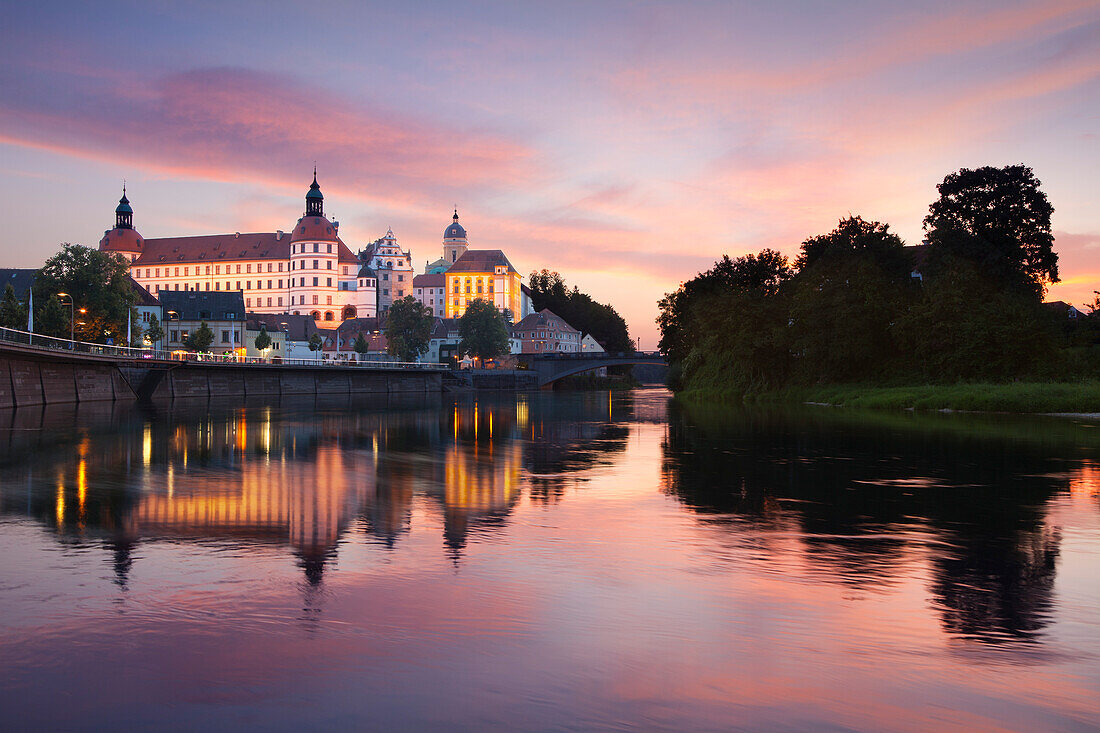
(123, 239)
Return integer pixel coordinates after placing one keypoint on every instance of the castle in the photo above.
(311, 271)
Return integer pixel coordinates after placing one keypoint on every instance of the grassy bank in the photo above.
(1033, 397)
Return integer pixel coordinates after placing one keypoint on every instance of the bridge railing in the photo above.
(38, 341)
(593, 355)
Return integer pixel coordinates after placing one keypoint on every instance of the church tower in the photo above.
(123, 239)
(455, 242)
(314, 259)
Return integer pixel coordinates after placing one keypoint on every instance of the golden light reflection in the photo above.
(59, 509)
(81, 486)
(147, 444)
(521, 411)
(1084, 486)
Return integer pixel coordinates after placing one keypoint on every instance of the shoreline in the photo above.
(1079, 400)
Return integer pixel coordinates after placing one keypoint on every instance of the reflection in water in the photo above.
(865, 491)
(553, 561)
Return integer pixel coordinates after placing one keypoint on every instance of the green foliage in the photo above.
(263, 340)
(13, 314)
(153, 331)
(694, 311)
(316, 343)
(998, 219)
(97, 281)
(849, 312)
(201, 339)
(361, 346)
(51, 317)
(483, 330)
(408, 328)
(579, 310)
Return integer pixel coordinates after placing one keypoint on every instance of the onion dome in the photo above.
(314, 227)
(123, 238)
(455, 230)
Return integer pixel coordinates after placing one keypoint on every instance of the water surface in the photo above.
(552, 561)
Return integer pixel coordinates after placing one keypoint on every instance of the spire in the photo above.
(314, 198)
(456, 215)
(124, 215)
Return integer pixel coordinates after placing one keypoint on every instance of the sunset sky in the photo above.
(626, 145)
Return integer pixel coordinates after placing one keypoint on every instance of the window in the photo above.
(315, 300)
(207, 285)
(316, 248)
(158, 272)
(329, 246)
(217, 269)
(248, 302)
(238, 285)
(218, 285)
(328, 281)
(208, 269)
(328, 302)
(185, 271)
(345, 272)
(385, 291)
(227, 285)
(280, 301)
(328, 264)
(315, 266)
(269, 285)
(280, 267)
(280, 285)
(400, 278)
(177, 272)
(248, 268)
(248, 284)
(269, 267)
(269, 302)
(173, 335)
(238, 269)
(314, 282)
(385, 276)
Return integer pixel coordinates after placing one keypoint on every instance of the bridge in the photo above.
(552, 367)
(37, 370)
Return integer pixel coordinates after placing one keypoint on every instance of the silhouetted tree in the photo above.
(408, 328)
(483, 330)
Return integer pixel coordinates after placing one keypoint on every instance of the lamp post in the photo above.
(72, 314)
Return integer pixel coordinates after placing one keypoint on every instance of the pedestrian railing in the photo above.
(38, 341)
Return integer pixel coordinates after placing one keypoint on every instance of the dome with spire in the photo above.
(455, 230)
(123, 238)
(314, 227)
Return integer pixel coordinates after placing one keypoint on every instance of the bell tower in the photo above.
(455, 241)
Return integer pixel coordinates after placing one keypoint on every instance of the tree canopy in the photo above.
(579, 310)
(408, 328)
(848, 310)
(200, 339)
(263, 340)
(316, 343)
(13, 314)
(998, 219)
(153, 331)
(361, 346)
(97, 281)
(483, 330)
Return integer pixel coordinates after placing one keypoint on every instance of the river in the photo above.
(549, 561)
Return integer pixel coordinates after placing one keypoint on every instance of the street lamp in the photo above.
(72, 315)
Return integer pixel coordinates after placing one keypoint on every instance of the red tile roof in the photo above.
(480, 260)
(430, 281)
(224, 248)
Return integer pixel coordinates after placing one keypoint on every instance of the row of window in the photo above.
(151, 272)
(301, 248)
(247, 285)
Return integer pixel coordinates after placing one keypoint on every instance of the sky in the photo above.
(627, 145)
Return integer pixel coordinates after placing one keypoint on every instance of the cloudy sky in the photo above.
(626, 145)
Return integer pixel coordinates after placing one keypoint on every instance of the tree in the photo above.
(316, 343)
(361, 346)
(852, 287)
(52, 318)
(408, 328)
(201, 339)
(579, 310)
(263, 341)
(483, 331)
(13, 314)
(688, 313)
(97, 281)
(153, 332)
(998, 219)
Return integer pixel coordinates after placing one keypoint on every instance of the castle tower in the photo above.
(314, 261)
(123, 239)
(455, 242)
